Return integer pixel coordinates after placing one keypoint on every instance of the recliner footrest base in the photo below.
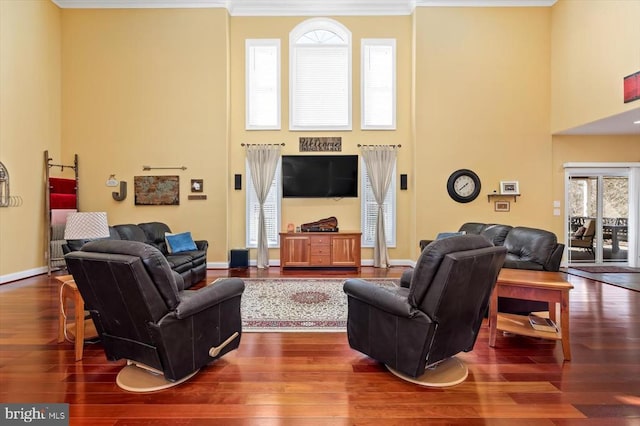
(449, 372)
(137, 379)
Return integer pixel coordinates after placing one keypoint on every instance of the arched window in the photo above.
(320, 76)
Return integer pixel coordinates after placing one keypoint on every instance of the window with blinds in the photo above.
(369, 210)
(262, 83)
(320, 76)
(271, 211)
(378, 83)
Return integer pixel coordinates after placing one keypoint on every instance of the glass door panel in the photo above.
(598, 213)
(581, 241)
(615, 217)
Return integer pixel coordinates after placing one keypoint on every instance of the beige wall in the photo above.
(29, 124)
(347, 210)
(482, 103)
(594, 46)
(149, 87)
(478, 88)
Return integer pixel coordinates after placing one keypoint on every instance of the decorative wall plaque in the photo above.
(321, 144)
(157, 190)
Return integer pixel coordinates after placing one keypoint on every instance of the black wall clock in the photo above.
(463, 185)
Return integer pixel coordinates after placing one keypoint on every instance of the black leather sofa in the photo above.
(191, 265)
(527, 248)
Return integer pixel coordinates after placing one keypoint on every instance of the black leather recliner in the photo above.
(141, 316)
(437, 316)
(527, 248)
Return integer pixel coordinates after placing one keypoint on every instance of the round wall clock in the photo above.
(463, 185)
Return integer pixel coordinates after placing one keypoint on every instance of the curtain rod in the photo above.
(256, 144)
(393, 146)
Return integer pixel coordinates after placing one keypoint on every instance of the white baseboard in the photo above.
(22, 274)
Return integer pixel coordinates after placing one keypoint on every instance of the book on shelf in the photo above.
(542, 324)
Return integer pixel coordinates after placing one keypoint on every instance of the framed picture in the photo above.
(501, 206)
(157, 190)
(197, 185)
(509, 187)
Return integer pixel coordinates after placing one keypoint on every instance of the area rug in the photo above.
(296, 304)
(607, 269)
(628, 278)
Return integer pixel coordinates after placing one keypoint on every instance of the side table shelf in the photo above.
(519, 324)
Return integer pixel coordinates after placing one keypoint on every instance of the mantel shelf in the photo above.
(515, 196)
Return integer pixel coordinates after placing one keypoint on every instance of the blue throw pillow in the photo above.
(177, 243)
(448, 234)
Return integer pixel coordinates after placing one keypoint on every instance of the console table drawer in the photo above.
(320, 240)
(321, 260)
(320, 250)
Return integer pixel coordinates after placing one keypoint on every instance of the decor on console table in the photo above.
(329, 224)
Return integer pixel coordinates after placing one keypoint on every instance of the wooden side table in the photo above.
(545, 286)
(79, 328)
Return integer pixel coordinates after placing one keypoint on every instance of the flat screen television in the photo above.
(319, 176)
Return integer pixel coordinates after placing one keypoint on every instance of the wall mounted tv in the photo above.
(319, 176)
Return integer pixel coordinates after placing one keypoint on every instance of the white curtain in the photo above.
(263, 161)
(380, 161)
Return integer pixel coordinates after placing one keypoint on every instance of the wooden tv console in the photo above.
(320, 249)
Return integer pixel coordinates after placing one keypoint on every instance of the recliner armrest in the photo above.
(211, 295)
(202, 244)
(424, 243)
(393, 302)
(553, 264)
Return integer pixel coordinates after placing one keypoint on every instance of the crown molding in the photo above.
(299, 7)
(484, 3)
(140, 4)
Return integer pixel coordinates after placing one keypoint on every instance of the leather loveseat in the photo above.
(527, 248)
(191, 265)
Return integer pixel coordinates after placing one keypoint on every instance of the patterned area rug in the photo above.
(295, 304)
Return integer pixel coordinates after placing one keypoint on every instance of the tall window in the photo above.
(370, 211)
(320, 76)
(378, 84)
(262, 84)
(271, 210)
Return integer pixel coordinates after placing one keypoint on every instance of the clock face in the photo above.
(463, 186)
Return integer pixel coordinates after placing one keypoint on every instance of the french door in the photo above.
(602, 215)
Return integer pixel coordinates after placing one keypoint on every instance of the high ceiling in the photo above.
(624, 123)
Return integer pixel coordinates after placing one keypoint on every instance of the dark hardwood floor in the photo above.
(316, 379)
